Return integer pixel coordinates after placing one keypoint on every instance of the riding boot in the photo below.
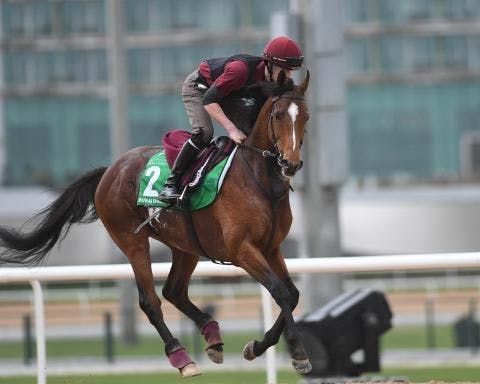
(171, 189)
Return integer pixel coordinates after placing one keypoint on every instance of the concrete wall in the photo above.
(411, 220)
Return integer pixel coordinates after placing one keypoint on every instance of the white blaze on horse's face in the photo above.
(293, 112)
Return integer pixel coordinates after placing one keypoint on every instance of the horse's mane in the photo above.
(271, 88)
(243, 106)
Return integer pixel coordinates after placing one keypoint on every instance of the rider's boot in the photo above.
(171, 189)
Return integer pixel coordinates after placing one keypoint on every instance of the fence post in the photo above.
(27, 340)
(267, 324)
(109, 347)
(430, 323)
(474, 328)
(40, 332)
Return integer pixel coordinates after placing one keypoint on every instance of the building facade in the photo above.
(56, 77)
(413, 89)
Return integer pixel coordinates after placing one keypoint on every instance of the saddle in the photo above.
(217, 150)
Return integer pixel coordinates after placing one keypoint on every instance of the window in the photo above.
(419, 53)
(455, 48)
(392, 54)
(28, 161)
(473, 53)
(357, 11)
(357, 52)
(83, 16)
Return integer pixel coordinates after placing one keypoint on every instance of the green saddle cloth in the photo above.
(156, 173)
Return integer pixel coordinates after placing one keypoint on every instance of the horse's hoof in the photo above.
(215, 353)
(190, 370)
(302, 366)
(248, 351)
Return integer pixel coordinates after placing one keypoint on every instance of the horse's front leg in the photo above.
(175, 290)
(257, 348)
(272, 336)
(256, 265)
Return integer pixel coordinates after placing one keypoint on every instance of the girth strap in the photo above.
(193, 235)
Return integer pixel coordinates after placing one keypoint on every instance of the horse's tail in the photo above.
(75, 205)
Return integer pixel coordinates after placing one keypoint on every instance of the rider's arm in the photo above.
(234, 77)
(216, 112)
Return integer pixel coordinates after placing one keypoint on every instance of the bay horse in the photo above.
(244, 226)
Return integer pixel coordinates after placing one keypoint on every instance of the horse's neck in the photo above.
(263, 167)
(259, 136)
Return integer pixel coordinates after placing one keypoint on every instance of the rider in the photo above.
(213, 80)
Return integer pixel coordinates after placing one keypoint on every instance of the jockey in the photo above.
(213, 80)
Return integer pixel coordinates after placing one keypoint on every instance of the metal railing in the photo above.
(413, 262)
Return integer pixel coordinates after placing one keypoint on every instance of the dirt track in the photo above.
(87, 313)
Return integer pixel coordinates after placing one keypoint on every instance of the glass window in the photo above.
(392, 53)
(93, 144)
(456, 51)
(16, 67)
(42, 65)
(419, 53)
(462, 9)
(356, 11)
(59, 69)
(136, 14)
(83, 16)
(42, 17)
(14, 19)
(33, 166)
(474, 53)
(158, 15)
(357, 53)
(418, 9)
(138, 63)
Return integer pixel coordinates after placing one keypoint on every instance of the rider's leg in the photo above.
(171, 189)
(202, 133)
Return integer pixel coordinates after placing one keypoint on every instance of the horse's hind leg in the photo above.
(175, 290)
(137, 249)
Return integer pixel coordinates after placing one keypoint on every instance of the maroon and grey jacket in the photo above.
(226, 74)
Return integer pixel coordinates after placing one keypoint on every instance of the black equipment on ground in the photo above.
(351, 322)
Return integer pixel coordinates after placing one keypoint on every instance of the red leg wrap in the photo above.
(211, 333)
(179, 358)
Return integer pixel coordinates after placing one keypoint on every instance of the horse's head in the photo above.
(286, 123)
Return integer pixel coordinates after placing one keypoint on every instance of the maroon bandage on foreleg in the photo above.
(179, 358)
(211, 333)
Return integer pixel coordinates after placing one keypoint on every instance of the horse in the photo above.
(244, 226)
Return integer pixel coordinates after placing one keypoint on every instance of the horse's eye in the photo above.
(279, 115)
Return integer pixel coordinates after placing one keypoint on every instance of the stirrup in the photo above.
(169, 194)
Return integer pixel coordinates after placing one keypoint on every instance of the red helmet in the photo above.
(284, 52)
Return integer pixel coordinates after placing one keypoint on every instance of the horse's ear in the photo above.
(303, 87)
(282, 76)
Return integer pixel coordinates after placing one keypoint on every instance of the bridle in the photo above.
(271, 132)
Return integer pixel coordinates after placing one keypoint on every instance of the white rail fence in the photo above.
(35, 276)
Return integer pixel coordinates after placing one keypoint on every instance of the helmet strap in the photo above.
(270, 69)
